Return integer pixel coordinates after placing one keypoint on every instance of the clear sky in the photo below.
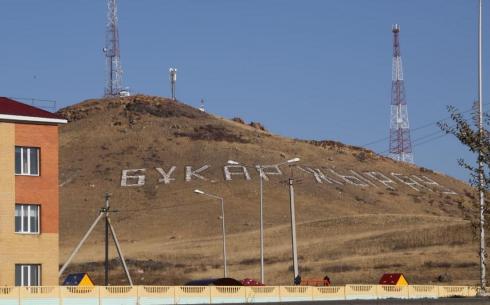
(314, 69)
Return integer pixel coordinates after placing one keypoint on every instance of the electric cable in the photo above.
(418, 128)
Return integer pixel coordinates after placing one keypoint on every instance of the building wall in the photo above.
(7, 200)
(43, 190)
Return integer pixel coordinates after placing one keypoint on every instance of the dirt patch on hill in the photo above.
(211, 132)
(163, 109)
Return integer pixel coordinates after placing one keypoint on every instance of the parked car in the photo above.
(316, 282)
(224, 281)
(251, 282)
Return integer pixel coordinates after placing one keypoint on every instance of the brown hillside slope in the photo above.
(352, 230)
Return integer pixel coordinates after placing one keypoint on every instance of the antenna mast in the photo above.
(400, 143)
(173, 81)
(113, 61)
(201, 108)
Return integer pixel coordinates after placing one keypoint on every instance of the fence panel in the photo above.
(473, 291)
(40, 295)
(295, 293)
(192, 295)
(74, 295)
(118, 295)
(360, 292)
(331, 293)
(156, 295)
(453, 291)
(423, 292)
(9, 295)
(261, 294)
(392, 292)
(228, 294)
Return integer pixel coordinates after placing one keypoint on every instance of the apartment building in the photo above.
(29, 197)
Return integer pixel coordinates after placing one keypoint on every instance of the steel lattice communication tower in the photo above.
(400, 143)
(113, 61)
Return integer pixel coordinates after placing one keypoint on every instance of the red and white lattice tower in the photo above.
(400, 143)
(113, 60)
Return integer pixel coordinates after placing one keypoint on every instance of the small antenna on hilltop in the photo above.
(202, 106)
(173, 81)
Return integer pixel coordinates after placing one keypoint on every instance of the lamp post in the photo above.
(222, 223)
(297, 278)
(260, 168)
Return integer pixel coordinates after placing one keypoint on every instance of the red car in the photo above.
(251, 282)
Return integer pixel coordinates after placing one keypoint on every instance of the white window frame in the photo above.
(27, 150)
(29, 267)
(26, 208)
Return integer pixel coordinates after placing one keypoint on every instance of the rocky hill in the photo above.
(358, 214)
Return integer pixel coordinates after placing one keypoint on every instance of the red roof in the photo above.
(14, 108)
(390, 278)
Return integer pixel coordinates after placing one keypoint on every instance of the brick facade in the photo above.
(42, 190)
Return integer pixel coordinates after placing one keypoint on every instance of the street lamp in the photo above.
(260, 168)
(222, 223)
(294, 247)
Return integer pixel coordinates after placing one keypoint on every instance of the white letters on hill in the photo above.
(328, 175)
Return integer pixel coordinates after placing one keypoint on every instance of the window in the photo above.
(27, 218)
(27, 161)
(27, 275)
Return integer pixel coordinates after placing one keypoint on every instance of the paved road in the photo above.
(452, 301)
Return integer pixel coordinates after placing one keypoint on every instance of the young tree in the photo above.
(475, 136)
(468, 133)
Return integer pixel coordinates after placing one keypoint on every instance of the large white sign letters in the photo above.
(324, 175)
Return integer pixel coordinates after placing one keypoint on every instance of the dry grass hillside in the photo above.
(352, 230)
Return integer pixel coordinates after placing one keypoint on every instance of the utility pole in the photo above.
(103, 212)
(297, 278)
(106, 243)
(262, 276)
(483, 252)
(260, 168)
(224, 235)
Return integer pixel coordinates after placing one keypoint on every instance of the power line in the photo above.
(46, 104)
(429, 138)
(160, 208)
(432, 139)
(32, 99)
(438, 132)
(418, 128)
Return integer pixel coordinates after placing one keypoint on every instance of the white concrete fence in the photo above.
(157, 295)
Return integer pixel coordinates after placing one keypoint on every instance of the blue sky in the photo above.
(315, 69)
